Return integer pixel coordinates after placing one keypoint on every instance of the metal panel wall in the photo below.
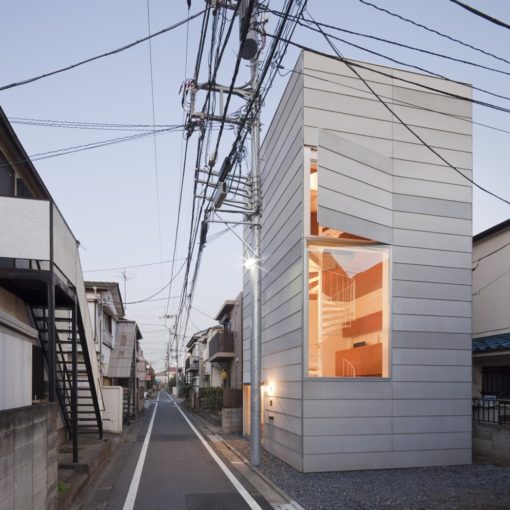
(421, 415)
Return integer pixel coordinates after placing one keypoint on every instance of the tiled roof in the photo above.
(491, 343)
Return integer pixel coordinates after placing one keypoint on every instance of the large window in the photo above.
(348, 310)
(348, 299)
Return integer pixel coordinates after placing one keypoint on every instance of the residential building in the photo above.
(491, 320)
(225, 349)
(106, 309)
(491, 345)
(49, 378)
(122, 368)
(366, 281)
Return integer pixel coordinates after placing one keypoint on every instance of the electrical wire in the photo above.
(405, 125)
(236, 148)
(400, 78)
(130, 267)
(402, 45)
(103, 55)
(155, 145)
(93, 145)
(194, 226)
(159, 291)
(481, 14)
(400, 62)
(446, 36)
(399, 101)
(99, 126)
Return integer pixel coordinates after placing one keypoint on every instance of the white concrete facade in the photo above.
(375, 181)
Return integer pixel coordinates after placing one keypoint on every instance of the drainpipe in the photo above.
(51, 318)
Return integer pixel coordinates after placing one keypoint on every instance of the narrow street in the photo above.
(167, 466)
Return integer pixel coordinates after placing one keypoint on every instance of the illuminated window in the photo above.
(348, 299)
(348, 310)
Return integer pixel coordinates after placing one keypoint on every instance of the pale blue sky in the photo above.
(108, 195)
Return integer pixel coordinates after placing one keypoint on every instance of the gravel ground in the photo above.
(480, 487)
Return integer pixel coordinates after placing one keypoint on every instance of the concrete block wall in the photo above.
(28, 458)
(231, 420)
(491, 444)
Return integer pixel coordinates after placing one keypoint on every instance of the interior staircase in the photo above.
(334, 292)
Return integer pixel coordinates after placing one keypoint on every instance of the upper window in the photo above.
(6, 177)
(108, 323)
(348, 298)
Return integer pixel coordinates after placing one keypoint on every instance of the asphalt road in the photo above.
(178, 471)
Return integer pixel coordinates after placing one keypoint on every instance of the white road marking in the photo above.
(235, 482)
(135, 481)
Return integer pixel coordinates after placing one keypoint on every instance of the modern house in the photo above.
(106, 309)
(49, 378)
(366, 280)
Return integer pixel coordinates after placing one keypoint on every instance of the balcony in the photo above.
(221, 346)
(191, 364)
(35, 239)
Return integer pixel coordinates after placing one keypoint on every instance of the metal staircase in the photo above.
(86, 411)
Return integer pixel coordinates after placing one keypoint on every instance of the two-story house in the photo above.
(106, 309)
(49, 378)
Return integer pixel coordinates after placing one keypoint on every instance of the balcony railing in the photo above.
(191, 364)
(221, 346)
(489, 410)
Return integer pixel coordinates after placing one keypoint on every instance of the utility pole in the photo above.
(249, 50)
(256, 329)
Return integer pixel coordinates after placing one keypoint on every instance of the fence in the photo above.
(488, 410)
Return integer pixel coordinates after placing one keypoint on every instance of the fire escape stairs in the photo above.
(87, 407)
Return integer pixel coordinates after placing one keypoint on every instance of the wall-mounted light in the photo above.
(269, 389)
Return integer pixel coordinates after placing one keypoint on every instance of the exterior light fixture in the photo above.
(269, 389)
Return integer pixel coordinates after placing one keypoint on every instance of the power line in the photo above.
(446, 36)
(99, 126)
(193, 226)
(130, 267)
(235, 147)
(402, 45)
(398, 101)
(84, 147)
(404, 124)
(158, 292)
(88, 146)
(155, 146)
(481, 14)
(400, 62)
(97, 57)
(400, 78)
